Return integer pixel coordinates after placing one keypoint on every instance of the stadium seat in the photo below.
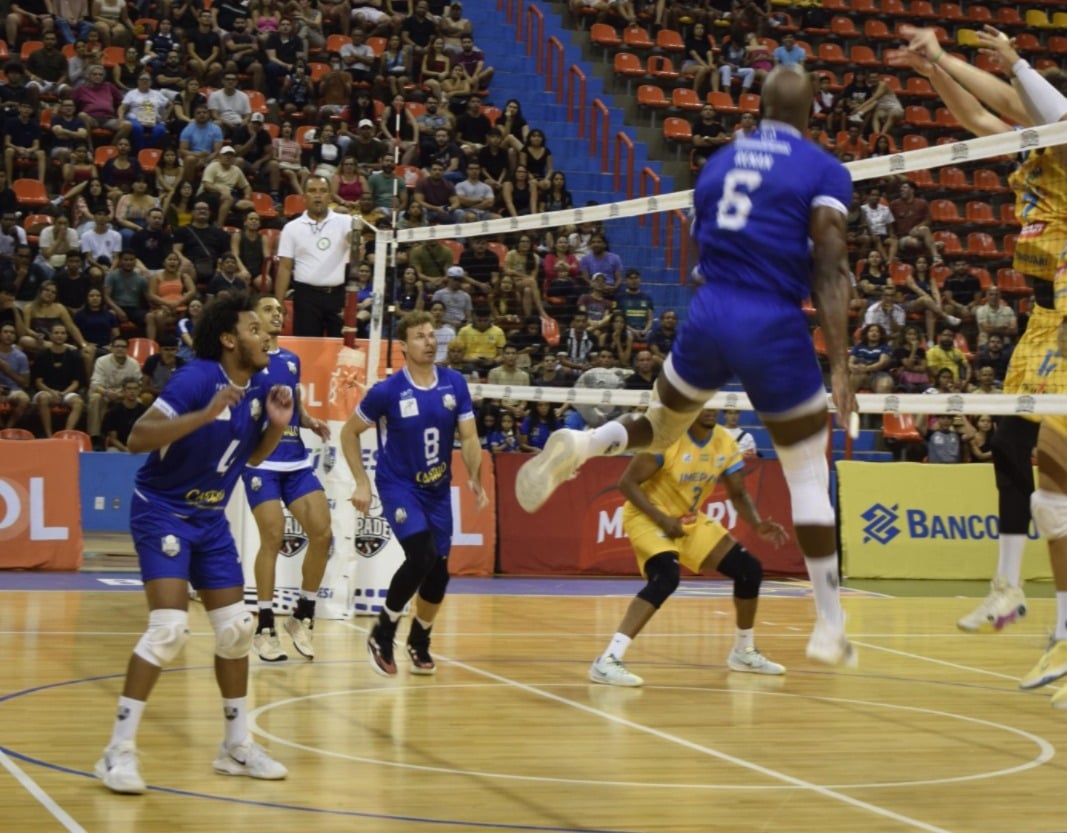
(864, 56)
(1027, 43)
(1037, 19)
(16, 434)
(411, 174)
(1009, 244)
(4, 53)
(1007, 215)
(944, 211)
(921, 178)
(950, 243)
(951, 178)
(944, 119)
(940, 272)
(980, 15)
(604, 36)
(334, 43)
(287, 325)
(919, 87)
(416, 108)
(989, 182)
(317, 70)
(33, 225)
(455, 247)
(893, 8)
(678, 132)
(652, 98)
(148, 159)
(662, 68)
(294, 205)
(1008, 17)
(30, 193)
(749, 103)
(85, 442)
(918, 116)
(722, 103)
(378, 45)
(864, 7)
(876, 30)
(636, 37)
(684, 98)
(1059, 20)
(952, 12)
(257, 101)
(263, 205)
(915, 141)
(103, 153)
(669, 40)
(836, 6)
(978, 213)
(961, 344)
(28, 48)
(980, 244)
(1057, 45)
(922, 9)
(899, 272)
(1012, 283)
(140, 349)
(843, 28)
(900, 428)
(550, 330)
(830, 53)
(113, 56)
(629, 67)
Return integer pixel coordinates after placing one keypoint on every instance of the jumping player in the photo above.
(287, 477)
(417, 412)
(213, 417)
(769, 220)
(664, 493)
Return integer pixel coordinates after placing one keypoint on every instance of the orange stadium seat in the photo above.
(944, 211)
(636, 37)
(950, 243)
(30, 193)
(140, 349)
(901, 428)
(722, 103)
(979, 213)
(1012, 283)
(830, 53)
(877, 30)
(16, 434)
(989, 182)
(951, 178)
(980, 244)
(1007, 215)
(841, 26)
(749, 103)
(671, 41)
(85, 442)
(1008, 17)
(662, 68)
(683, 98)
(864, 56)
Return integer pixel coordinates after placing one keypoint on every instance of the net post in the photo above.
(384, 243)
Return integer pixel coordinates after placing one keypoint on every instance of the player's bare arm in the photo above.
(471, 452)
(155, 429)
(767, 529)
(830, 291)
(641, 468)
(352, 449)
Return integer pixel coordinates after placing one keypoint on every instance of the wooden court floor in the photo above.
(929, 733)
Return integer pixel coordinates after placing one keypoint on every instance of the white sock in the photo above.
(127, 719)
(265, 605)
(744, 639)
(618, 645)
(824, 583)
(1010, 557)
(1061, 615)
(236, 713)
(310, 595)
(609, 438)
(393, 617)
(426, 625)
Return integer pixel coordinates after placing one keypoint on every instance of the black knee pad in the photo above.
(420, 555)
(1012, 444)
(433, 586)
(663, 575)
(746, 571)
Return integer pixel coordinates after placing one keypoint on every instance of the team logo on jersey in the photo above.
(323, 244)
(409, 408)
(294, 539)
(400, 515)
(291, 366)
(687, 458)
(449, 401)
(372, 534)
(170, 545)
(256, 483)
(255, 407)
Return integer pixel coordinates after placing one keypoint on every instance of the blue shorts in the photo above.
(762, 339)
(410, 511)
(199, 549)
(262, 485)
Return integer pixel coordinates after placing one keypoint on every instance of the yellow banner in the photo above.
(918, 520)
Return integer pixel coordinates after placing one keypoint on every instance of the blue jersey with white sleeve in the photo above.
(197, 473)
(752, 209)
(415, 428)
(290, 453)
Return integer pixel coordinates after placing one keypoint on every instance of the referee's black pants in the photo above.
(318, 310)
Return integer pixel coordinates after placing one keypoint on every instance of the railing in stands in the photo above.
(599, 108)
(621, 141)
(682, 246)
(554, 67)
(650, 185)
(576, 79)
(535, 18)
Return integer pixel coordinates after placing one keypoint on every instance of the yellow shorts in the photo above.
(693, 548)
(1039, 249)
(1036, 365)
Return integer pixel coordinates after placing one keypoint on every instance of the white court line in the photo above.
(44, 798)
(945, 663)
(696, 747)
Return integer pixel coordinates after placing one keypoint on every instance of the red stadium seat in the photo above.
(945, 211)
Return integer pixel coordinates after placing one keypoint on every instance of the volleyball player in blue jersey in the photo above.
(769, 219)
(288, 477)
(212, 418)
(417, 412)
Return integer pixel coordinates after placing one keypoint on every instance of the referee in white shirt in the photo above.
(313, 254)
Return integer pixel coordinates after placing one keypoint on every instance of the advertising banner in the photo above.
(917, 520)
(40, 506)
(579, 530)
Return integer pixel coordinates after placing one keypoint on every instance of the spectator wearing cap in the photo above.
(224, 182)
(367, 149)
(147, 111)
(457, 301)
(475, 197)
(253, 145)
(599, 259)
(636, 305)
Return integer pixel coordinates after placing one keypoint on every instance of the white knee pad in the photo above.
(808, 477)
(168, 631)
(1050, 513)
(234, 628)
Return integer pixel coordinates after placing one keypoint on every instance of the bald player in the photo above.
(746, 320)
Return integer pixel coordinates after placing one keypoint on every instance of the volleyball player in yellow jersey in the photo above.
(1040, 185)
(1042, 366)
(664, 495)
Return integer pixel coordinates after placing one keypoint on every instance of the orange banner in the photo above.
(333, 378)
(40, 509)
(473, 529)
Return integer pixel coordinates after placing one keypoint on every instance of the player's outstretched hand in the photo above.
(361, 496)
(228, 397)
(921, 40)
(908, 59)
(998, 46)
(772, 532)
(280, 405)
(481, 498)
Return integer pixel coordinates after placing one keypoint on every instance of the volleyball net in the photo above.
(964, 182)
